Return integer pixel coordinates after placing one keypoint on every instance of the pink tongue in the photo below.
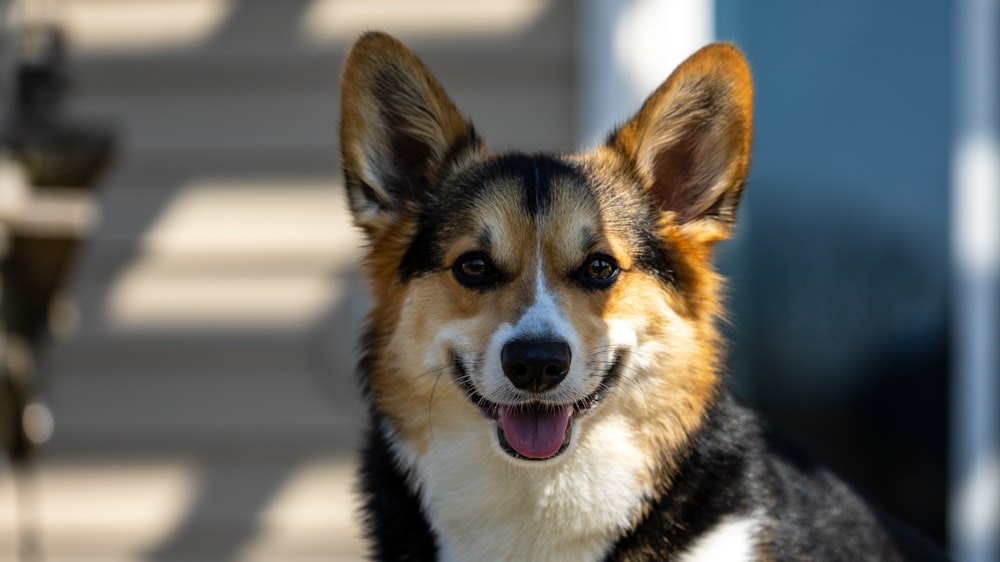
(536, 432)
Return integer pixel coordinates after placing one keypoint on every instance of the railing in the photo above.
(49, 169)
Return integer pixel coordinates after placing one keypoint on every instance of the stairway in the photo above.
(205, 404)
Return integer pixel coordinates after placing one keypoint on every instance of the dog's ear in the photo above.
(690, 141)
(397, 129)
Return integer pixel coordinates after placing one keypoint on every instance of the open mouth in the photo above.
(535, 430)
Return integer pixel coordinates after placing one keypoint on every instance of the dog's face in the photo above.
(520, 299)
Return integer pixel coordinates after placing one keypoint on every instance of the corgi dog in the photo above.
(542, 364)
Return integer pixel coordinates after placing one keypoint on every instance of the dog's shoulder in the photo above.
(738, 497)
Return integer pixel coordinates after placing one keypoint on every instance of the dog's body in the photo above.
(542, 361)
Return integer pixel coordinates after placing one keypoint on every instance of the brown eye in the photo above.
(475, 271)
(600, 269)
(474, 267)
(599, 272)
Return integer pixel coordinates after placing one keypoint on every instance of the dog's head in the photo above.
(523, 298)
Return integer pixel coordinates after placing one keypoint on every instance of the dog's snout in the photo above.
(535, 366)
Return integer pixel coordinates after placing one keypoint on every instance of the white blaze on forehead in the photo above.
(544, 318)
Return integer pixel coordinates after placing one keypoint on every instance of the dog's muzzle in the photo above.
(537, 428)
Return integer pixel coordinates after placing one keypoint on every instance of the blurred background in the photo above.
(194, 277)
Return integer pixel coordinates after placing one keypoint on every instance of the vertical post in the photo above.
(8, 47)
(974, 510)
(627, 47)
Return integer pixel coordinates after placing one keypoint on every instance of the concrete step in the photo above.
(182, 509)
(206, 407)
(268, 71)
(264, 218)
(307, 120)
(194, 410)
(297, 27)
(288, 198)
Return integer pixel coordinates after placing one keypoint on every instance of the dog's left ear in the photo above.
(397, 130)
(690, 142)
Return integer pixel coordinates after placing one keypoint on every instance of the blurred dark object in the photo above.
(850, 354)
(55, 151)
(886, 437)
(48, 207)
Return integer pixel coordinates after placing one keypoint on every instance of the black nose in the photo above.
(535, 366)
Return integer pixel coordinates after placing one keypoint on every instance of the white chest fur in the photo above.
(485, 507)
(732, 539)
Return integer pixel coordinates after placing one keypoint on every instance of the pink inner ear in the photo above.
(674, 183)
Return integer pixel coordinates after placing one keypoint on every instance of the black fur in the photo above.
(457, 197)
(712, 481)
(728, 469)
(725, 469)
(394, 521)
(807, 513)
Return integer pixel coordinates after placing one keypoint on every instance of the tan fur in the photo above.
(687, 147)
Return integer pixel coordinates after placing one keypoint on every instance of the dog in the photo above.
(541, 363)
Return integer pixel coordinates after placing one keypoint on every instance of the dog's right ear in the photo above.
(690, 142)
(398, 129)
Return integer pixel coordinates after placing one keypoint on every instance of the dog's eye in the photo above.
(474, 270)
(599, 272)
(474, 267)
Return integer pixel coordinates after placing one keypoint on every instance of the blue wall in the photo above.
(840, 269)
